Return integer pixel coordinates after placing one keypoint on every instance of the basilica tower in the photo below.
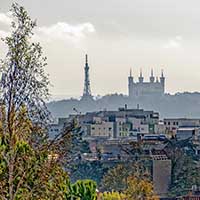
(162, 81)
(152, 78)
(130, 84)
(141, 78)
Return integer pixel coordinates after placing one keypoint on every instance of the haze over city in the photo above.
(117, 35)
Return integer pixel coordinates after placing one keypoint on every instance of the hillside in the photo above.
(178, 105)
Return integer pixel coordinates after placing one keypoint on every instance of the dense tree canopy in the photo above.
(140, 189)
(116, 178)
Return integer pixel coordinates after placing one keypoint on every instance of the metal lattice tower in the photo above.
(87, 90)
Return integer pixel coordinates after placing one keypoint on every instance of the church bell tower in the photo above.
(130, 84)
(162, 81)
(152, 78)
(141, 78)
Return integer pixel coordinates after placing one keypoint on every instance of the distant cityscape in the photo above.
(112, 133)
(143, 144)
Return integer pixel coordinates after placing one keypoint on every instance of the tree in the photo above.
(26, 172)
(139, 189)
(88, 170)
(23, 80)
(30, 165)
(185, 168)
(185, 175)
(82, 190)
(132, 180)
(116, 178)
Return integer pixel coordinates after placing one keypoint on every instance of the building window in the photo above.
(110, 129)
(168, 123)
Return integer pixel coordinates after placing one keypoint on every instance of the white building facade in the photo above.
(155, 87)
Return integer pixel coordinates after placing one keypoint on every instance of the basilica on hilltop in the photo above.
(140, 88)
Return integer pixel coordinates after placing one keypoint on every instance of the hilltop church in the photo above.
(142, 89)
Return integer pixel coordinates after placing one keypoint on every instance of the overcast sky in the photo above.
(117, 35)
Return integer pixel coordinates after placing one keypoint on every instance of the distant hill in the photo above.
(179, 105)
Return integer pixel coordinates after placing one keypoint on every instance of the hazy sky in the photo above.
(117, 35)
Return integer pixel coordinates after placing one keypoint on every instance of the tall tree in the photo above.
(23, 80)
(28, 169)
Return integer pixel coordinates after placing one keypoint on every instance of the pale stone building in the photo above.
(154, 87)
(119, 124)
(103, 129)
(172, 124)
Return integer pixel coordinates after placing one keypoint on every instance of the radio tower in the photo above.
(87, 91)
